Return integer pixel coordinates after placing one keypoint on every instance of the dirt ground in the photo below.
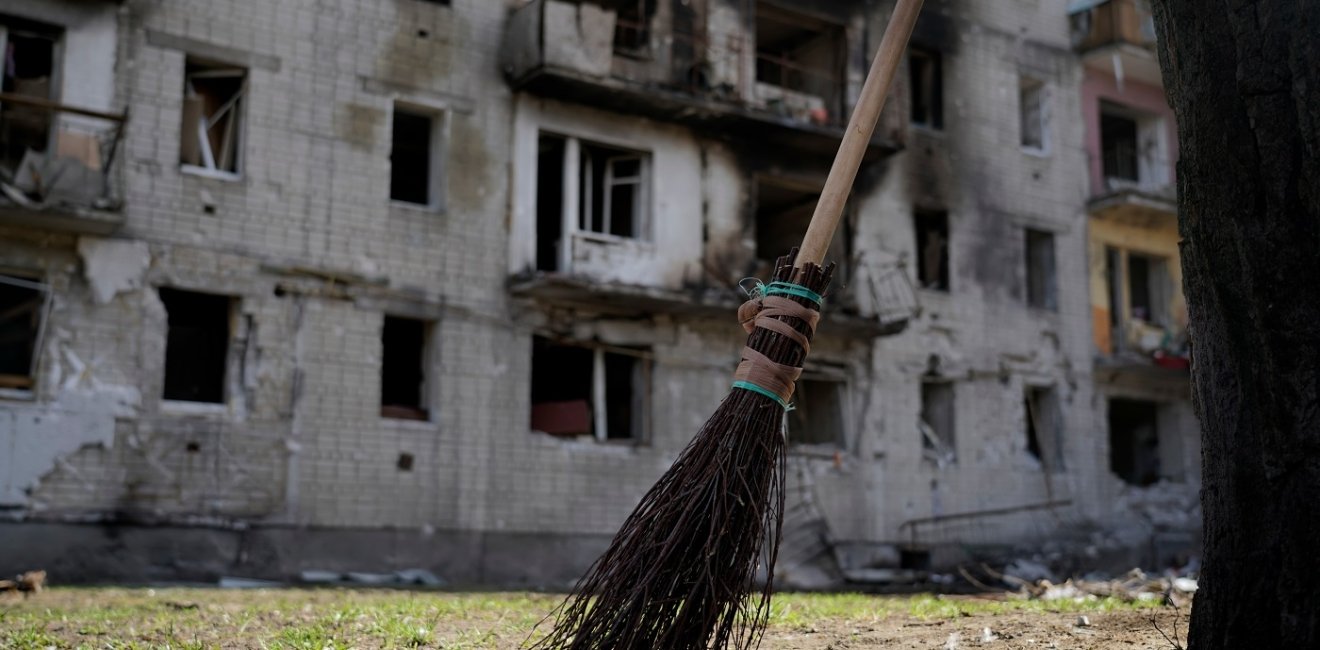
(343, 618)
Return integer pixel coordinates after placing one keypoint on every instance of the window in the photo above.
(213, 113)
(1118, 146)
(1032, 105)
(28, 70)
(783, 212)
(581, 390)
(1140, 293)
(936, 421)
(632, 26)
(1044, 424)
(802, 54)
(403, 387)
(1042, 287)
(416, 166)
(817, 417)
(612, 190)
(196, 346)
(927, 81)
(932, 249)
(23, 305)
(1138, 454)
(604, 190)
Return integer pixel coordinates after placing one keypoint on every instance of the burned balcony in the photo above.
(786, 81)
(1117, 37)
(57, 165)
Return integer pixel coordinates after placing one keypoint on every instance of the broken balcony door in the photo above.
(212, 115)
(27, 69)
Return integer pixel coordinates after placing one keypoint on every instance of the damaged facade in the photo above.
(457, 280)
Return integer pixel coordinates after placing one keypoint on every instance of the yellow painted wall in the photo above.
(1156, 237)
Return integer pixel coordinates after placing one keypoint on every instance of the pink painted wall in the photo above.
(1097, 86)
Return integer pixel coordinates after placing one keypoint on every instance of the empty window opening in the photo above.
(1148, 289)
(932, 249)
(1134, 441)
(213, 113)
(632, 26)
(416, 169)
(196, 346)
(1031, 103)
(783, 212)
(1118, 146)
(549, 201)
(28, 68)
(23, 305)
(927, 80)
(403, 389)
(1042, 286)
(613, 190)
(936, 421)
(817, 417)
(579, 390)
(800, 53)
(1044, 426)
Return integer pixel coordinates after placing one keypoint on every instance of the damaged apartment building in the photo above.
(455, 280)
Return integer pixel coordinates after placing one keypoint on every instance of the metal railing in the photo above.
(52, 153)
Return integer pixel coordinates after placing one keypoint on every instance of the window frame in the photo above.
(1040, 89)
(843, 389)
(1049, 298)
(232, 327)
(237, 108)
(425, 411)
(437, 188)
(642, 390)
(933, 78)
(31, 283)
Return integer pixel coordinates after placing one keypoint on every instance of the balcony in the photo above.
(57, 166)
(889, 290)
(789, 88)
(1116, 37)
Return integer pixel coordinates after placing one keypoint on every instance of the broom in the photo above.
(680, 574)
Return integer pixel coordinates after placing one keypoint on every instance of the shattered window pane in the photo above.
(212, 123)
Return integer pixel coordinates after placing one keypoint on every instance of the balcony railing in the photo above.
(57, 165)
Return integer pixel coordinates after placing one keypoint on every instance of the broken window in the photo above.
(936, 421)
(23, 306)
(1042, 287)
(196, 346)
(213, 115)
(416, 165)
(1118, 146)
(1044, 425)
(1147, 288)
(932, 249)
(580, 390)
(803, 54)
(604, 190)
(632, 26)
(783, 212)
(613, 184)
(28, 67)
(1134, 441)
(403, 389)
(817, 417)
(1031, 103)
(927, 81)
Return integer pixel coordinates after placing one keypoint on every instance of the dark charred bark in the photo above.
(1244, 80)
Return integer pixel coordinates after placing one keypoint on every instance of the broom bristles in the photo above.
(681, 572)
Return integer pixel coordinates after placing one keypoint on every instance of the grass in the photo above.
(320, 619)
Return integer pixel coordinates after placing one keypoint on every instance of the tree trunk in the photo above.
(1244, 80)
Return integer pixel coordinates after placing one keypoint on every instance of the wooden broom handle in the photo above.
(829, 208)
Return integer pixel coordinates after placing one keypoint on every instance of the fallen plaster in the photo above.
(35, 437)
(113, 266)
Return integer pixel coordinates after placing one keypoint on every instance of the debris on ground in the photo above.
(401, 578)
(1133, 586)
(31, 582)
